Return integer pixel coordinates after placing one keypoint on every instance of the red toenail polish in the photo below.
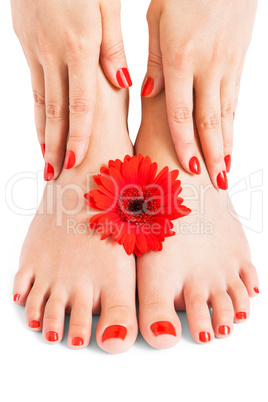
(224, 330)
(48, 172)
(163, 328)
(123, 78)
(256, 290)
(241, 315)
(204, 336)
(69, 160)
(227, 161)
(34, 324)
(148, 87)
(16, 298)
(194, 165)
(43, 149)
(77, 341)
(114, 331)
(222, 180)
(52, 336)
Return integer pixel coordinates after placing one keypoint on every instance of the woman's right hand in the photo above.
(63, 42)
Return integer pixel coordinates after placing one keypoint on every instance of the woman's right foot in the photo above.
(65, 268)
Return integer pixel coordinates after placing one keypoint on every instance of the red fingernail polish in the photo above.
(43, 149)
(227, 161)
(77, 341)
(48, 172)
(256, 290)
(233, 116)
(114, 331)
(123, 78)
(34, 324)
(148, 87)
(16, 298)
(52, 336)
(163, 328)
(222, 180)
(224, 330)
(69, 160)
(194, 165)
(204, 336)
(241, 315)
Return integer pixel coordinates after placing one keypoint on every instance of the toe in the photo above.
(80, 322)
(117, 328)
(22, 285)
(249, 277)
(240, 299)
(158, 321)
(198, 314)
(53, 322)
(35, 305)
(223, 313)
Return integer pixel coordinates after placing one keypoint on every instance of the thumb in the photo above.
(154, 79)
(112, 53)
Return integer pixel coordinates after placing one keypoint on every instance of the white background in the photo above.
(230, 369)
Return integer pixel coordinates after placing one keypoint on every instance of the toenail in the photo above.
(16, 298)
(52, 336)
(241, 315)
(34, 324)
(224, 330)
(204, 336)
(256, 290)
(114, 331)
(77, 341)
(163, 328)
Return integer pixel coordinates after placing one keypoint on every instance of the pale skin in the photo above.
(61, 271)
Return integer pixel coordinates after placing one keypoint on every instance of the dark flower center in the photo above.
(136, 206)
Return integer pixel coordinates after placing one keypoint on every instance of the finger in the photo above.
(154, 79)
(112, 53)
(56, 89)
(38, 86)
(82, 98)
(227, 94)
(208, 122)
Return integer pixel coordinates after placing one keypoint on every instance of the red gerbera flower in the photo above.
(137, 204)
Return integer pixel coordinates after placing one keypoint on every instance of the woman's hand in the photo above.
(197, 51)
(63, 42)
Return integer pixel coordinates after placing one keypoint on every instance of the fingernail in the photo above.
(194, 165)
(204, 336)
(241, 315)
(43, 149)
(48, 172)
(16, 298)
(77, 341)
(227, 161)
(34, 324)
(222, 180)
(256, 290)
(114, 331)
(148, 87)
(163, 328)
(224, 330)
(52, 336)
(123, 78)
(69, 160)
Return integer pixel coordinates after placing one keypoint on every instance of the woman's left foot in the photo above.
(206, 264)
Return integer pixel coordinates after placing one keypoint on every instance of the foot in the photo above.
(207, 264)
(65, 269)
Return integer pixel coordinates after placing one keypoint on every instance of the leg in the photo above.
(207, 264)
(62, 268)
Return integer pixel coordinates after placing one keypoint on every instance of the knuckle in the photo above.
(38, 98)
(154, 60)
(227, 111)
(211, 122)
(216, 159)
(181, 115)
(77, 138)
(79, 106)
(54, 112)
(181, 58)
(114, 52)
